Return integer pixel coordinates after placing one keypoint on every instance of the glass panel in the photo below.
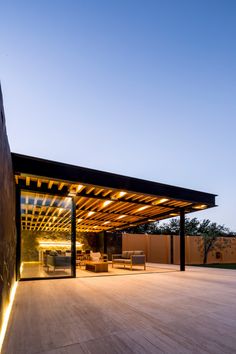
(45, 235)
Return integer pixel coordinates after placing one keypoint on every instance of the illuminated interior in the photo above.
(45, 235)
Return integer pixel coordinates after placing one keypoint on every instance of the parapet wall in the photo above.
(7, 218)
(158, 248)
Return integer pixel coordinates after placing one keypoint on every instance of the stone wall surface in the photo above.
(30, 242)
(7, 217)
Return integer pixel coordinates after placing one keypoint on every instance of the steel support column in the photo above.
(73, 237)
(182, 239)
(105, 241)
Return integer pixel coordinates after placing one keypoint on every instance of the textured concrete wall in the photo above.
(7, 217)
(157, 248)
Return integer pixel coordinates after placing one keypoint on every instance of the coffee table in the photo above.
(97, 266)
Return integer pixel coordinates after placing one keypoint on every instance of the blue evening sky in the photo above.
(141, 88)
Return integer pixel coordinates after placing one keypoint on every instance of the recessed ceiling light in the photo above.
(202, 206)
(79, 220)
(106, 222)
(60, 210)
(159, 201)
(121, 194)
(121, 216)
(79, 187)
(143, 207)
(91, 213)
(72, 192)
(107, 202)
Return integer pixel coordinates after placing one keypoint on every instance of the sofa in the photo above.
(58, 262)
(130, 258)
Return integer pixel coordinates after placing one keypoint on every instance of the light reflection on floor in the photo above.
(36, 270)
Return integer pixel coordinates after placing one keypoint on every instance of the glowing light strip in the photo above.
(6, 314)
(58, 244)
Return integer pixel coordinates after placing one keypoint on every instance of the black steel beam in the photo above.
(56, 170)
(182, 239)
(65, 192)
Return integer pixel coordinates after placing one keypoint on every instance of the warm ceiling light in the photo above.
(79, 187)
(121, 216)
(121, 194)
(202, 206)
(159, 201)
(151, 220)
(173, 214)
(79, 220)
(143, 207)
(60, 210)
(106, 203)
(72, 192)
(91, 213)
(106, 222)
(95, 227)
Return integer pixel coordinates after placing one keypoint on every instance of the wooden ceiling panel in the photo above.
(46, 205)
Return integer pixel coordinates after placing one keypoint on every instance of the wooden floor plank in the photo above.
(173, 312)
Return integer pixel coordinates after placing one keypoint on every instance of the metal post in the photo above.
(73, 237)
(105, 242)
(182, 239)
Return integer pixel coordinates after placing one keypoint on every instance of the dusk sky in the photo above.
(140, 88)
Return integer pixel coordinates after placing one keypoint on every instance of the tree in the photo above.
(172, 227)
(150, 228)
(212, 238)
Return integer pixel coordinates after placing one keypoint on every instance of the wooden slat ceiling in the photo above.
(46, 206)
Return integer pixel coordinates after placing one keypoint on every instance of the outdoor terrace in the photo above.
(168, 312)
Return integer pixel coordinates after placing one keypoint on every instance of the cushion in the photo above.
(118, 260)
(53, 253)
(138, 252)
(125, 254)
(126, 261)
(95, 256)
(130, 253)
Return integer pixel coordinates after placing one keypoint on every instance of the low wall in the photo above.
(7, 218)
(158, 248)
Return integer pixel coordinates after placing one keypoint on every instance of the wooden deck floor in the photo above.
(172, 312)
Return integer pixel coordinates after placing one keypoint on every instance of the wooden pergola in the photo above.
(57, 196)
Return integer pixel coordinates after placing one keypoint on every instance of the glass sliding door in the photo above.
(46, 243)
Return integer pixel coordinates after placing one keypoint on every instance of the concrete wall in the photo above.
(158, 248)
(7, 218)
